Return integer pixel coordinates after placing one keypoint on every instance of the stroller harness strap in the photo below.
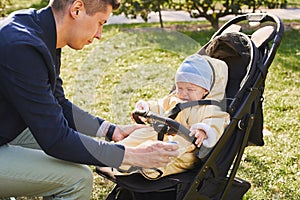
(162, 129)
(181, 106)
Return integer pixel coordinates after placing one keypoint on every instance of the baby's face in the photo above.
(189, 92)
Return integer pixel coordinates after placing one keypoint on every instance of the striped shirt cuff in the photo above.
(102, 130)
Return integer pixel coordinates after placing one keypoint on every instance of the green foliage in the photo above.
(255, 4)
(133, 8)
(275, 3)
(293, 3)
(213, 10)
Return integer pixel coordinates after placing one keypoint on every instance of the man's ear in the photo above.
(76, 8)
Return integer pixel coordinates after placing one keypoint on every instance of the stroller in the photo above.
(248, 49)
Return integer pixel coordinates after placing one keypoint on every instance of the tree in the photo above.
(133, 8)
(275, 3)
(213, 10)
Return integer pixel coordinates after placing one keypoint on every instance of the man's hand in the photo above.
(150, 154)
(122, 131)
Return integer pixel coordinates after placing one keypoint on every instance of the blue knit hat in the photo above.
(195, 69)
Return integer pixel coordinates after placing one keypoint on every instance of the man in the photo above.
(32, 101)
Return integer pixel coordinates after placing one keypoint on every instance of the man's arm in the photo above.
(77, 118)
(27, 88)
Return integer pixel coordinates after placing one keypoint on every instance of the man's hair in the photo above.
(91, 6)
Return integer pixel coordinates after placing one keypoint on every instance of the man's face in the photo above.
(86, 28)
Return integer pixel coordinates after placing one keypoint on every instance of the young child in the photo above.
(193, 81)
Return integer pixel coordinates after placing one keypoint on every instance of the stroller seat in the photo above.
(248, 52)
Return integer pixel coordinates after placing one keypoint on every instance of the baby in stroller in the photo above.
(198, 77)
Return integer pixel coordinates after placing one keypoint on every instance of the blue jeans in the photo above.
(25, 170)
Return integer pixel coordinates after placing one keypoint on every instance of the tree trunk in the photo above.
(160, 19)
(160, 16)
(214, 22)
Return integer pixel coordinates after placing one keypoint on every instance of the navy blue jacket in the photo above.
(31, 94)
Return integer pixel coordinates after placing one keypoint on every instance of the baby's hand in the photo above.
(205, 135)
(200, 136)
(142, 105)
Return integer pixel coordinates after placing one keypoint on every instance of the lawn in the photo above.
(134, 62)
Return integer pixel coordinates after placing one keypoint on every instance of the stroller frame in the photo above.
(216, 177)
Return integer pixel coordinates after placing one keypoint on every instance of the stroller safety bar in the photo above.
(177, 127)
